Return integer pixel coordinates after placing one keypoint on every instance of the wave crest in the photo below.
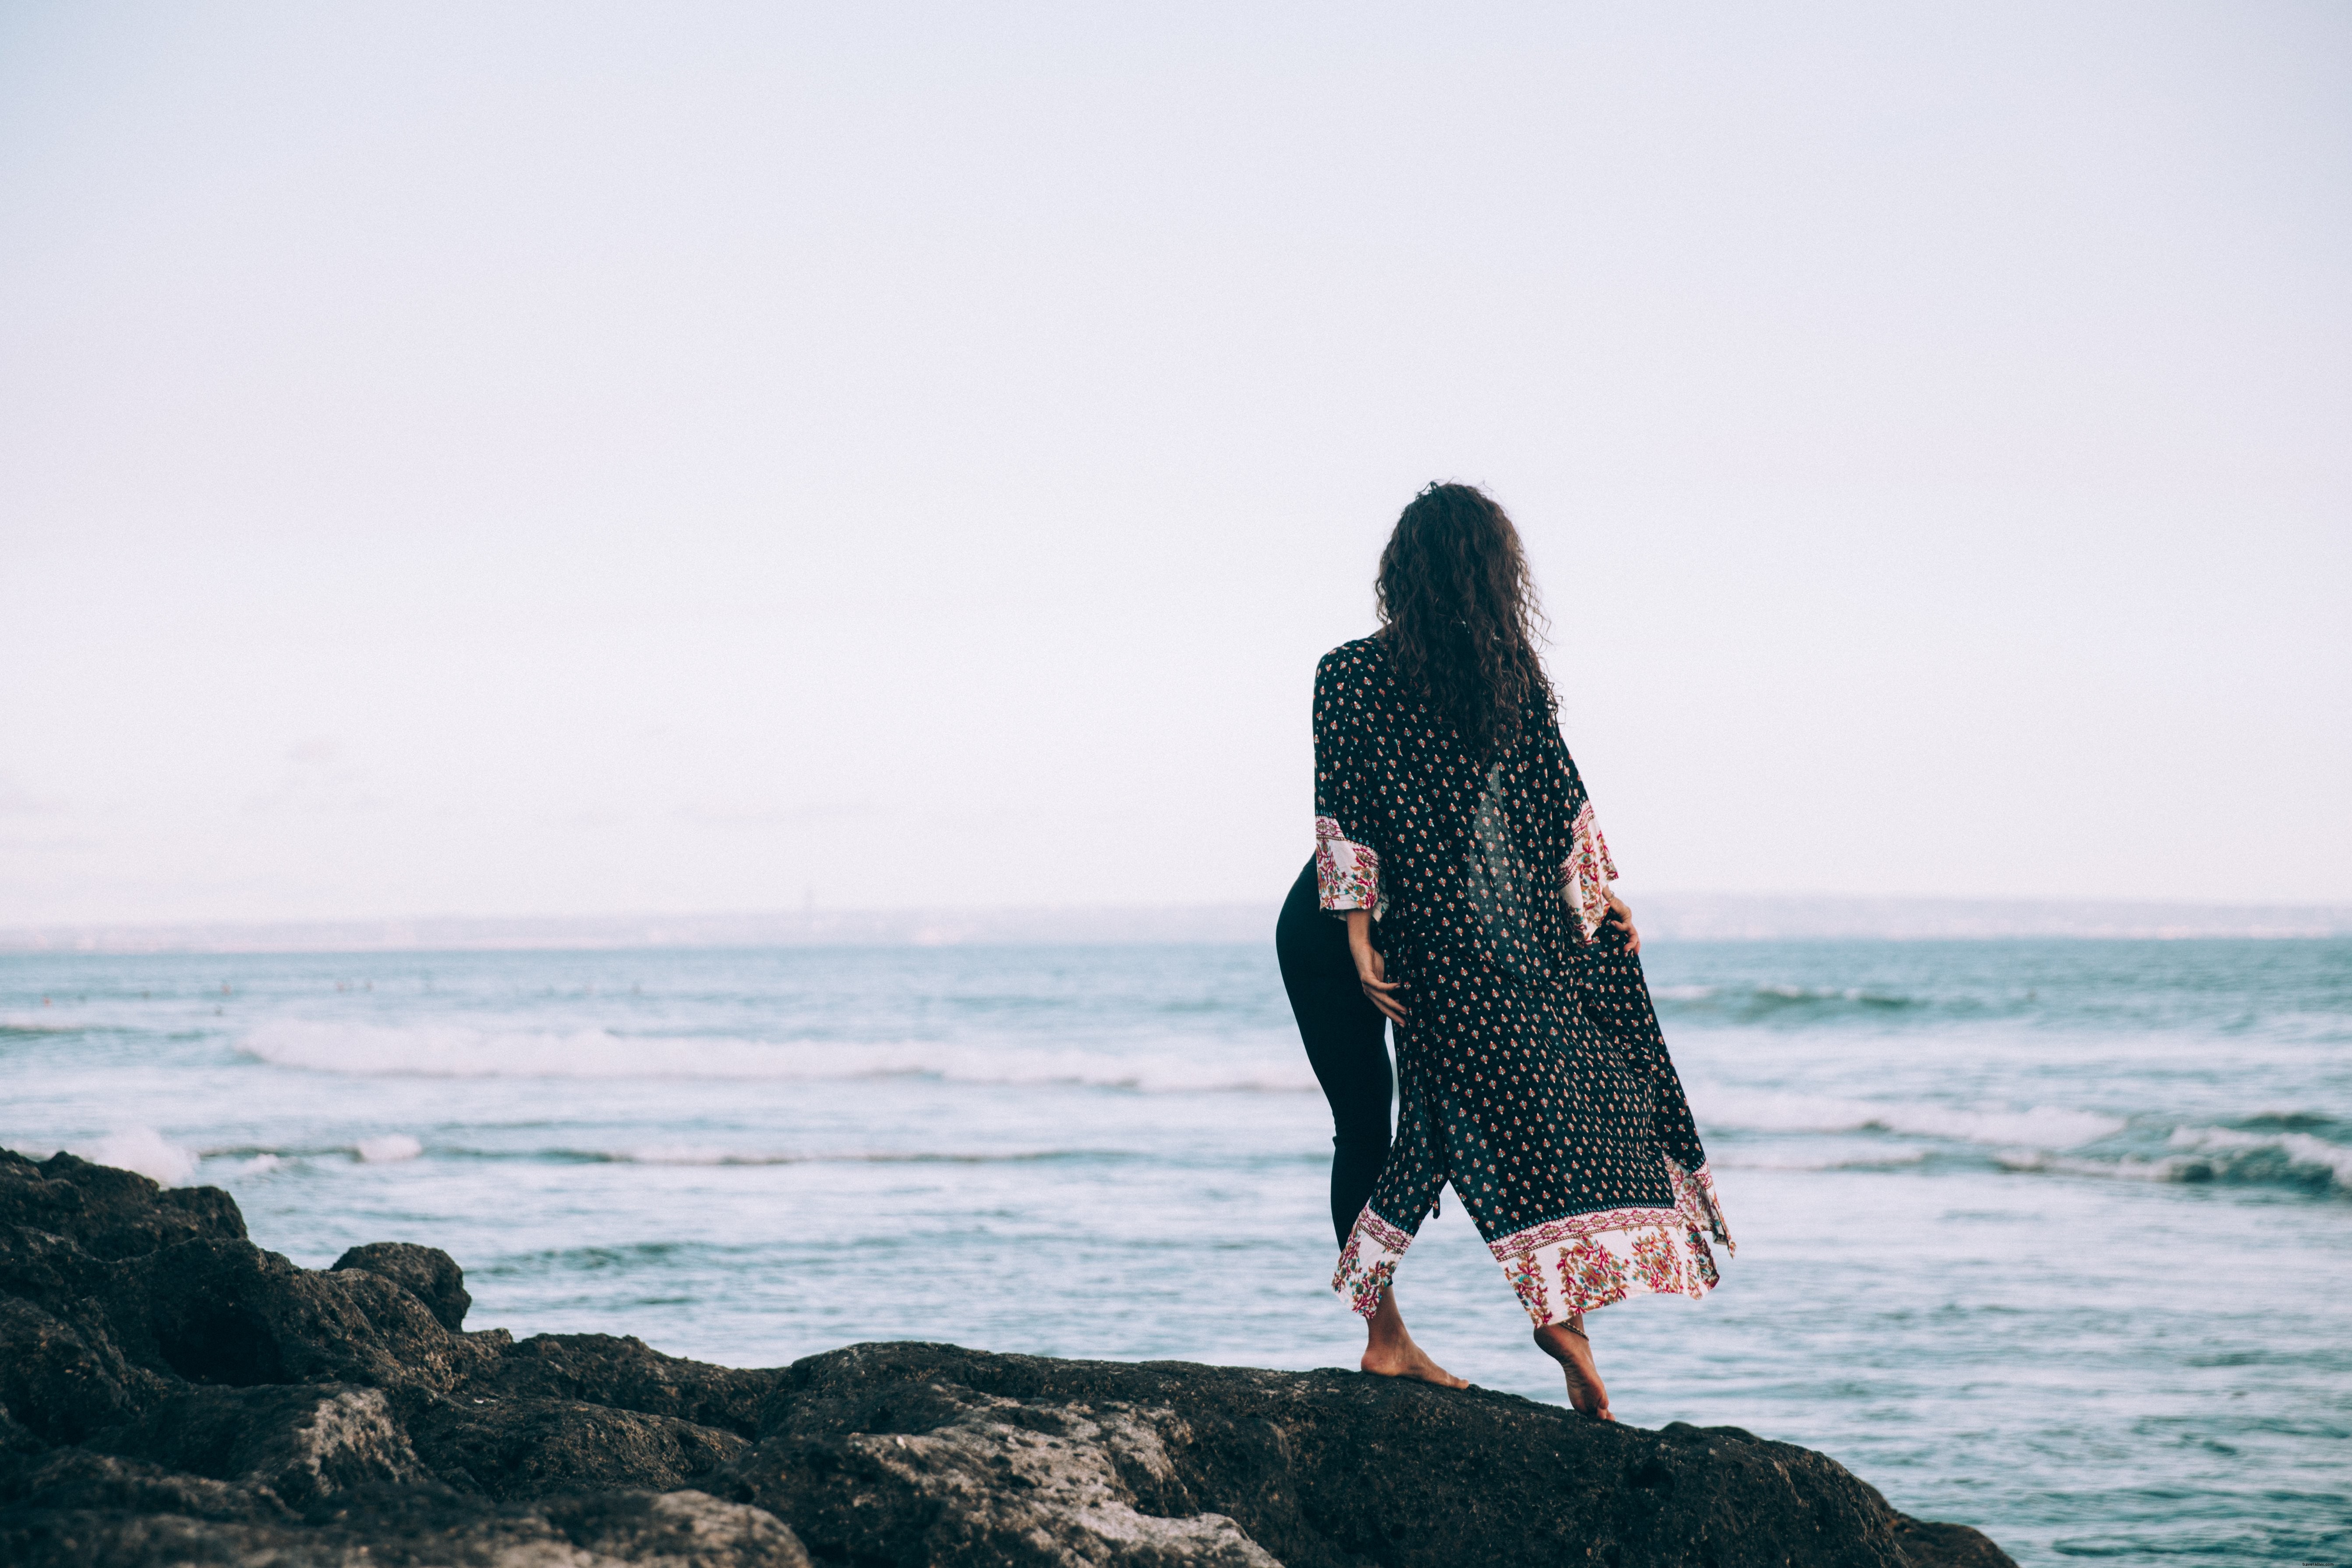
(2038, 1127)
(455, 1052)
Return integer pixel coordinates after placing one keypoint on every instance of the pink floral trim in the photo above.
(1586, 1261)
(1591, 1275)
(1586, 874)
(1696, 1201)
(1368, 1263)
(1347, 874)
(1527, 1280)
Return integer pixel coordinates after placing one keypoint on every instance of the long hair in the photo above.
(1459, 617)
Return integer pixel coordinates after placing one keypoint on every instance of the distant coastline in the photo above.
(1689, 917)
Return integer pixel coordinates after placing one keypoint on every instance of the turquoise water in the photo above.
(2051, 1237)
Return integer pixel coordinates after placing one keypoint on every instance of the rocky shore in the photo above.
(171, 1394)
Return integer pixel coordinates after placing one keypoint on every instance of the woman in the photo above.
(1454, 838)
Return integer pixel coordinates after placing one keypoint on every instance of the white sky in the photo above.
(579, 459)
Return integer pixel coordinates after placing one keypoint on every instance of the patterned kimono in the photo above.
(1533, 1077)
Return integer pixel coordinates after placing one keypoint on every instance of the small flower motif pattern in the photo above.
(1591, 1275)
(1702, 1264)
(1528, 1280)
(1702, 1211)
(1369, 1262)
(1587, 873)
(1347, 874)
(1532, 1075)
(1351, 1256)
(1605, 1256)
(1658, 1263)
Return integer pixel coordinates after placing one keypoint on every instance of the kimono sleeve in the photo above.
(1587, 870)
(1347, 859)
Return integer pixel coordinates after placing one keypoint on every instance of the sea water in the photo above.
(2051, 1237)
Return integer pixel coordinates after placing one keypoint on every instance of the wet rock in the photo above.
(170, 1393)
(77, 1481)
(110, 1214)
(1927, 1545)
(681, 1529)
(998, 1480)
(52, 1382)
(510, 1448)
(305, 1443)
(626, 1372)
(911, 1453)
(428, 1273)
(227, 1312)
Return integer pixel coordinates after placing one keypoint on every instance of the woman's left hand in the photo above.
(1622, 919)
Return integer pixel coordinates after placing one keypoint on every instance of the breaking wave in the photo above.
(455, 1052)
(2241, 1156)
(2040, 1127)
(145, 1150)
(2298, 1152)
(1765, 1003)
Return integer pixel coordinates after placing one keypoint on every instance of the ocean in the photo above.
(2052, 1237)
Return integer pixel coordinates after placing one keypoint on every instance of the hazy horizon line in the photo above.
(1667, 916)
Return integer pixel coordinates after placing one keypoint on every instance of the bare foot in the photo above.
(1390, 1352)
(1566, 1343)
(1408, 1361)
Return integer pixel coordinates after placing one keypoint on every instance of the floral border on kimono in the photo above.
(1582, 1262)
(1364, 1272)
(1694, 1195)
(1580, 1273)
(1347, 874)
(1586, 872)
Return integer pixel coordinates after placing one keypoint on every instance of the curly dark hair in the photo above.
(1459, 617)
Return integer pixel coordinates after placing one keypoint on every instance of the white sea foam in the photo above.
(1741, 1162)
(2226, 1155)
(693, 1155)
(1768, 993)
(1767, 1111)
(145, 1150)
(452, 1051)
(389, 1149)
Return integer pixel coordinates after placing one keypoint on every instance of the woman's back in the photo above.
(1469, 851)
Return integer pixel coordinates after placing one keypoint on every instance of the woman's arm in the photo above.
(1372, 969)
(1622, 919)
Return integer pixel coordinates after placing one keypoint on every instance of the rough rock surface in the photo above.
(429, 1274)
(171, 1394)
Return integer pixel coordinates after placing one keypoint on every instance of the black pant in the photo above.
(1345, 1044)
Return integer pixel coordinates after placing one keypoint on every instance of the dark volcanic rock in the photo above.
(422, 1529)
(522, 1447)
(227, 1312)
(305, 1443)
(628, 1374)
(912, 1454)
(110, 1214)
(428, 1273)
(53, 1385)
(171, 1394)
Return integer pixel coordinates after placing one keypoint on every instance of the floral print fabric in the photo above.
(1347, 874)
(1532, 1075)
(1585, 878)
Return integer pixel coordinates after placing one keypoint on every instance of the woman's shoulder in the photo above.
(1361, 658)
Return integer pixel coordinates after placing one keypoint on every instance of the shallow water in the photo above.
(2051, 1237)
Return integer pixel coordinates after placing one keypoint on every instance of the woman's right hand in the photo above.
(1372, 969)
